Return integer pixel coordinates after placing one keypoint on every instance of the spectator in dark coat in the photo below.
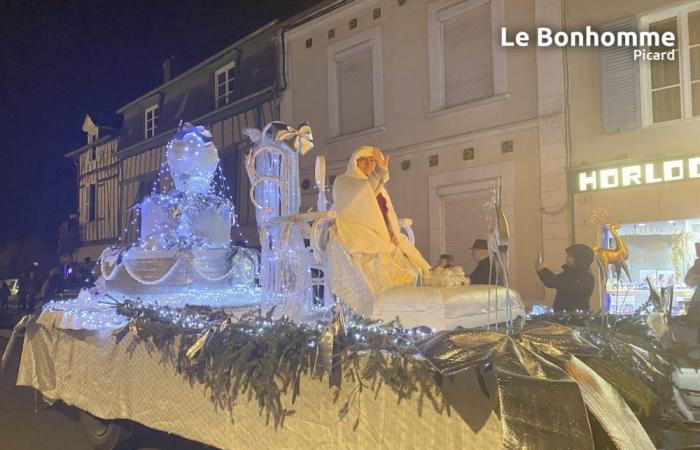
(52, 285)
(575, 283)
(486, 270)
(692, 279)
(29, 290)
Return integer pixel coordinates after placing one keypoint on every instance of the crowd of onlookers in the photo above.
(574, 284)
(36, 285)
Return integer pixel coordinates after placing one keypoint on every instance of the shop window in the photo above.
(659, 251)
(672, 87)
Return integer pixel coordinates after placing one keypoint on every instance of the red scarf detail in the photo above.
(384, 208)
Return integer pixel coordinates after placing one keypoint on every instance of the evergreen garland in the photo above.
(260, 359)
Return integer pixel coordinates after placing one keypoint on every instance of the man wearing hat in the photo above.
(575, 283)
(484, 273)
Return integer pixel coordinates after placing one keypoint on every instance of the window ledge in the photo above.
(347, 137)
(499, 98)
(667, 123)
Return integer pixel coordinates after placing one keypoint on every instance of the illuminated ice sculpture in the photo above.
(185, 233)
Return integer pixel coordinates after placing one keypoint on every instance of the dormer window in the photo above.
(150, 121)
(93, 150)
(223, 84)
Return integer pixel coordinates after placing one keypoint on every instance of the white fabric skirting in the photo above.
(90, 371)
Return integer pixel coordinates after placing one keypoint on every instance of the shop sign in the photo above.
(635, 174)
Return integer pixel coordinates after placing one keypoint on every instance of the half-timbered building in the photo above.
(98, 187)
(231, 90)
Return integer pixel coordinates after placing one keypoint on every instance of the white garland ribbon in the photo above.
(133, 275)
(183, 257)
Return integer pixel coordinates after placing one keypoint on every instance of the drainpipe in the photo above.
(567, 125)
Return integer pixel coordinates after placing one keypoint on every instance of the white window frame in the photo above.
(681, 14)
(153, 109)
(439, 11)
(228, 94)
(371, 38)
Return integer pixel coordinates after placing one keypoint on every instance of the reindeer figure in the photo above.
(617, 257)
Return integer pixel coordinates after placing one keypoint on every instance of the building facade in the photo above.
(234, 89)
(429, 83)
(635, 143)
(567, 132)
(98, 187)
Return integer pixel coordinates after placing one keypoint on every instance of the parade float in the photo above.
(190, 335)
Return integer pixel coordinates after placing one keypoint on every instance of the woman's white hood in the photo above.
(361, 152)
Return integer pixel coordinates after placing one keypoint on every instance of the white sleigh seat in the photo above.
(435, 307)
(447, 307)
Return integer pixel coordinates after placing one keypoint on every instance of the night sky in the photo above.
(63, 59)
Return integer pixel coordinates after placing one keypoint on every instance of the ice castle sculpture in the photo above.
(185, 233)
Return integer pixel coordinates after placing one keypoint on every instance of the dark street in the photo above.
(24, 427)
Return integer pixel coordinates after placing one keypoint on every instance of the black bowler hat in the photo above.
(479, 244)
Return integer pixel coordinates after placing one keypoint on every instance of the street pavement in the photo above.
(24, 427)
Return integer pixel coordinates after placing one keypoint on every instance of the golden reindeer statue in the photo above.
(617, 257)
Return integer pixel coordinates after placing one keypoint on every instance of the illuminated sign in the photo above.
(636, 174)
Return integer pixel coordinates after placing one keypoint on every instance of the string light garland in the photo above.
(185, 225)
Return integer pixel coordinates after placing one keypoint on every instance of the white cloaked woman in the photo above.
(368, 254)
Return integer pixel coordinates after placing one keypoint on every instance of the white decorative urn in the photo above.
(192, 159)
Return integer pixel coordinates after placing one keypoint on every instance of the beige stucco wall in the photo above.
(410, 134)
(406, 78)
(588, 142)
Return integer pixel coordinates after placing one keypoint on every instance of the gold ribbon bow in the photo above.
(301, 140)
(543, 388)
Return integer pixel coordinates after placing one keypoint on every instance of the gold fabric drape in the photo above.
(544, 391)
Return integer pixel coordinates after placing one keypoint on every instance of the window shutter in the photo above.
(464, 222)
(84, 204)
(619, 82)
(92, 202)
(355, 91)
(467, 54)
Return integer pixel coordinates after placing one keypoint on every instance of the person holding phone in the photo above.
(575, 283)
(692, 279)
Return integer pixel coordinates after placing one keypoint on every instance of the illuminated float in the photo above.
(185, 256)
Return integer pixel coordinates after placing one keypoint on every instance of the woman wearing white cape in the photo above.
(366, 236)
